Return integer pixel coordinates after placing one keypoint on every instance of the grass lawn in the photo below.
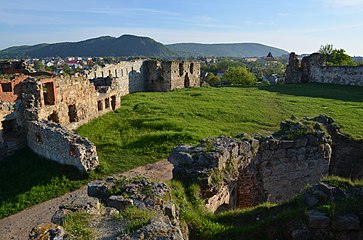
(149, 125)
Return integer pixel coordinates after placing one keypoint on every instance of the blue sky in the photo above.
(294, 25)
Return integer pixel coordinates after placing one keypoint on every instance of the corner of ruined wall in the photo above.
(55, 142)
(241, 172)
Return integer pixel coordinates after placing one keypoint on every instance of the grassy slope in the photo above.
(148, 125)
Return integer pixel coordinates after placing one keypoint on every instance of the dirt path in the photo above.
(18, 226)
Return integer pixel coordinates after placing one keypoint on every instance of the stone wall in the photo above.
(128, 74)
(54, 142)
(75, 100)
(167, 76)
(243, 172)
(337, 75)
(313, 69)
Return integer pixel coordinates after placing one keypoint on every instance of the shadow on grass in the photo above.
(253, 223)
(26, 179)
(316, 90)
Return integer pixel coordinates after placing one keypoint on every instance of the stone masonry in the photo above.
(244, 171)
(75, 100)
(313, 69)
(53, 141)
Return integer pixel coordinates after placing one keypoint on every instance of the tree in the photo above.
(38, 66)
(239, 75)
(336, 57)
(212, 79)
(326, 49)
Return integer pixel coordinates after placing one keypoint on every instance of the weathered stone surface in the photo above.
(47, 231)
(318, 220)
(59, 216)
(83, 203)
(119, 202)
(97, 189)
(170, 211)
(277, 168)
(346, 222)
(158, 228)
(313, 69)
(300, 234)
(55, 142)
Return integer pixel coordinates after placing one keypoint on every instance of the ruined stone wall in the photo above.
(282, 168)
(243, 173)
(54, 142)
(129, 75)
(346, 75)
(313, 69)
(185, 74)
(154, 76)
(75, 101)
(167, 76)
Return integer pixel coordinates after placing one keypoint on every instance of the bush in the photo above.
(212, 79)
(239, 76)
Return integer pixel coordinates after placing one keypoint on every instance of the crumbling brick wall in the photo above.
(55, 142)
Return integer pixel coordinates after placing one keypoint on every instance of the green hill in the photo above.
(125, 45)
(129, 45)
(231, 50)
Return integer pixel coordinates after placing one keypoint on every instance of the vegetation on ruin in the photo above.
(336, 57)
(149, 125)
(265, 221)
(77, 226)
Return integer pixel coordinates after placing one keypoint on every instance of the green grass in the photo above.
(26, 179)
(136, 218)
(265, 221)
(77, 226)
(149, 125)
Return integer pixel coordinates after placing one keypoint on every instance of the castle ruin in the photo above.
(313, 69)
(38, 107)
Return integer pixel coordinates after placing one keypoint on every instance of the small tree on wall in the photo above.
(336, 57)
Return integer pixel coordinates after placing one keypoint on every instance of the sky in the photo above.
(300, 26)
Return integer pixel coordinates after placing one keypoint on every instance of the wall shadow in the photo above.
(25, 171)
(318, 90)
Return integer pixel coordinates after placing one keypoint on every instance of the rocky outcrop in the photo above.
(244, 171)
(123, 200)
(331, 222)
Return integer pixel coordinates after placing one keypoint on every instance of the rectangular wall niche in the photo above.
(113, 103)
(99, 105)
(72, 113)
(48, 93)
(6, 87)
(107, 103)
(9, 126)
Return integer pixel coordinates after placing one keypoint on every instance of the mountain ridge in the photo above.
(131, 45)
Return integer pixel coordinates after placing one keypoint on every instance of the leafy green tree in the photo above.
(239, 75)
(212, 79)
(38, 66)
(338, 57)
(326, 49)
